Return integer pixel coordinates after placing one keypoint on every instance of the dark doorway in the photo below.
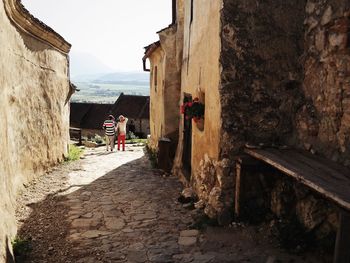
(187, 141)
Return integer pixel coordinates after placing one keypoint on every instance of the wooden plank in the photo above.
(74, 129)
(342, 245)
(328, 178)
(312, 170)
(238, 190)
(321, 164)
(306, 174)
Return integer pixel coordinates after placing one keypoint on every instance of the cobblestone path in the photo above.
(115, 208)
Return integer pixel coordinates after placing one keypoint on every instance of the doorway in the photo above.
(187, 142)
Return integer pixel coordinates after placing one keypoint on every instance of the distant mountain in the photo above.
(85, 67)
(86, 77)
(85, 64)
(124, 78)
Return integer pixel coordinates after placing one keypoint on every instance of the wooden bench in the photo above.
(329, 179)
(75, 133)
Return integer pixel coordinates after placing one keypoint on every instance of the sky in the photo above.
(113, 31)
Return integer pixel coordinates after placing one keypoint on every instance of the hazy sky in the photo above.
(115, 31)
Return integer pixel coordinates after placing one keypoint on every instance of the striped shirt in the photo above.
(109, 127)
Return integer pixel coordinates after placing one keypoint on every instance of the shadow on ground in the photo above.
(131, 214)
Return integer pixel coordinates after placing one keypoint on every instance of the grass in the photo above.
(140, 141)
(74, 153)
(21, 248)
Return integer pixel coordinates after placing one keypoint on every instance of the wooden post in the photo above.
(342, 245)
(174, 18)
(238, 189)
(80, 140)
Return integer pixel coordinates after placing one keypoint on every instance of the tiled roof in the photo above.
(150, 49)
(24, 20)
(92, 115)
(77, 113)
(131, 106)
(96, 115)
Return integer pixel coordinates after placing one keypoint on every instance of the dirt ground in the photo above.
(113, 207)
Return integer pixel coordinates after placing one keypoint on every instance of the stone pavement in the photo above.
(127, 214)
(119, 209)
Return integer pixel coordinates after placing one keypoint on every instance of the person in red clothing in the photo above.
(121, 129)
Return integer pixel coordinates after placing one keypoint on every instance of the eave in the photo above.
(22, 19)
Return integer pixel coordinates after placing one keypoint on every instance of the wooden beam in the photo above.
(342, 245)
(238, 189)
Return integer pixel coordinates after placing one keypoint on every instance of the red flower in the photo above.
(188, 117)
(189, 104)
(182, 109)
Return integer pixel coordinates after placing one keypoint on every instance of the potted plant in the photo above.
(194, 109)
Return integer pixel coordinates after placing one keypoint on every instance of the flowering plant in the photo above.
(192, 109)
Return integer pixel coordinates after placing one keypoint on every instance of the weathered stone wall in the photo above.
(282, 79)
(261, 78)
(34, 115)
(285, 75)
(323, 122)
(285, 80)
(260, 86)
(295, 206)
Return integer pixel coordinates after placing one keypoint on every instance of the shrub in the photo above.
(131, 136)
(152, 156)
(74, 153)
(21, 248)
(98, 139)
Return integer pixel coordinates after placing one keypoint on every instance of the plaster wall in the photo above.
(201, 76)
(34, 115)
(156, 123)
(262, 77)
(172, 82)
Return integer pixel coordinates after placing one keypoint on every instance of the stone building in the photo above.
(89, 117)
(136, 109)
(155, 54)
(268, 73)
(34, 113)
(165, 57)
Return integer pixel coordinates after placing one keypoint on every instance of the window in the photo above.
(155, 77)
(191, 11)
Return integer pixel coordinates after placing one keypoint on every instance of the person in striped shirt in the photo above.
(109, 127)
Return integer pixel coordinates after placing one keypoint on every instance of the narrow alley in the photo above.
(113, 207)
